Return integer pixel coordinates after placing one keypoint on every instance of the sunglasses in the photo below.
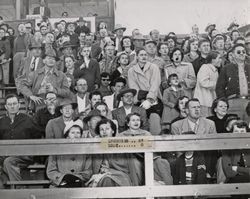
(241, 52)
(106, 80)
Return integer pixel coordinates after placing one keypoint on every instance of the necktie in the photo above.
(33, 64)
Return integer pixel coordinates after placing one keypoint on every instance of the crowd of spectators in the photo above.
(83, 84)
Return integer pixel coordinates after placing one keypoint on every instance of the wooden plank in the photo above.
(28, 182)
(129, 192)
(36, 166)
(94, 146)
(149, 171)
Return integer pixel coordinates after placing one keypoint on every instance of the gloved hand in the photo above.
(146, 104)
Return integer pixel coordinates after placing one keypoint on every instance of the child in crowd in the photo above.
(190, 168)
(170, 98)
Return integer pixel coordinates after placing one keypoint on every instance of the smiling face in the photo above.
(134, 122)
(74, 132)
(239, 54)
(69, 62)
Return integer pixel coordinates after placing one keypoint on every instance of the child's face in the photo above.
(174, 81)
(74, 132)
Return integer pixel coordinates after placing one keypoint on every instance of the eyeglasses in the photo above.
(241, 52)
(107, 80)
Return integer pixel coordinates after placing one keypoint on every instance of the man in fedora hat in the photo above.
(46, 79)
(70, 29)
(31, 63)
(118, 31)
(210, 27)
(67, 50)
(138, 41)
(55, 127)
(91, 120)
(232, 26)
(81, 26)
(127, 97)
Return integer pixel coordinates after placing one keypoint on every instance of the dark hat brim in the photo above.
(74, 105)
(121, 28)
(122, 92)
(88, 117)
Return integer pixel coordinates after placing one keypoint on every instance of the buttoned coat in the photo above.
(228, 81)
(119, 114)
(148, 80)
(77, 165)
(205, 126)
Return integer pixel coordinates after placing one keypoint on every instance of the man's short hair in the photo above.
(120, 79)
(95, 92)
(203, 41)
(11, 95)
(191, 100)
(105, 74)
(80, 79)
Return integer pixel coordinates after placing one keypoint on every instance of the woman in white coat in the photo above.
(206, 82)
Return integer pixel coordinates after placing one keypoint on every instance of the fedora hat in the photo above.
(35, 44)
(233, 24)
(117, 27)
(80, 19)
(93, 113)
(138, 37)
(209, 25)
(124, 91)
(151, 41)
(50, 53)
(67, 101)
(66, 44)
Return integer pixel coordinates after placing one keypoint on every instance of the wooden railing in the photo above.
(149, 146)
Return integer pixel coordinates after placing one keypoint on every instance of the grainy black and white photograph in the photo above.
(144, 99)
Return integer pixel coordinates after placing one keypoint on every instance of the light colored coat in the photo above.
(205, 126)
(206, 83)
(185, 72)
(148, 80)
(77, 165)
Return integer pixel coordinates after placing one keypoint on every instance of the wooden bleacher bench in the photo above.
(36, 166)
(28, 183)
(6, 88)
